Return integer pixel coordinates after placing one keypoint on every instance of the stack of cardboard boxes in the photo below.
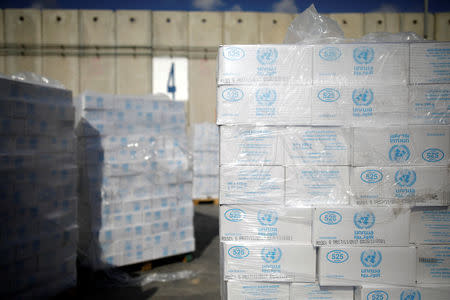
(205, 144)
(38, 237)
(136, 180)
(330, 157)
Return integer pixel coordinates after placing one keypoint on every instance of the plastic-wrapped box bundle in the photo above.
(38, 188)
(205, 142)
(357, 134)
(136, 180)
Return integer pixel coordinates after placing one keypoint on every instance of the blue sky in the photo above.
(291, 6)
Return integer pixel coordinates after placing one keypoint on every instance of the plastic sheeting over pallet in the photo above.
(38, 236)
(205, 142)
(136, 180)
(334, 170)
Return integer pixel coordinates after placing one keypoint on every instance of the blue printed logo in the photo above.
(364, 219)
(266, 56)
(371, 176)
(363, 55)
(371, 258)
(266, 96)
(433, 155)
(399, 153)
(362, 97)
(330, 218)
(232, 94)
(337, 256)
(378, 295)
(329, 95)
(405, 178)
(271, 255)
(267, 217)
(330, 53)
(233, 53)
(410, 295)
(234, 215)
(238, 252)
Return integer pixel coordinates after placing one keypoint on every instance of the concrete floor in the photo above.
(204, 282)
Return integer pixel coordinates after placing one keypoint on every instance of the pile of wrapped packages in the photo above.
(334, 170)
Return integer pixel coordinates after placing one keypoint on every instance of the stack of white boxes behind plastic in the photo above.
(329, 146)
(205, 142)
(136, 180)
(38, 238)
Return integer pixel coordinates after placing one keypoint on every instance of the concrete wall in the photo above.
(117, 46)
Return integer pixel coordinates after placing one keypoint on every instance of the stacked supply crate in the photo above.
(136, 180)
(38, 190)
(205, 183)
(330, 146)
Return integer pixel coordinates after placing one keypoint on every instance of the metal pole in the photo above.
(425, 19)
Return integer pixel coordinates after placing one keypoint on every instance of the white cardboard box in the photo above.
(375, 63)
(312, 291)
(257, 261)
(429, 104)
(247, 64)
(362, 226)
(402, 293)
(317, 146)
(360, 105)
(263, 105)
(413, 145)
(430, 63)
(433, 264)
(409, 185)
(318, 185)
(260, 222)
(430, 225)
(355, 266)
(249, 145)
(251, 184)
(251, 290)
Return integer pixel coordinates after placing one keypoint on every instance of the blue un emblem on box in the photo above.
(364, 219)
(362, 97)
(405, 178)
(371, 258)
(363, 55)
(267, 56)
(271, 254)
(399, 153)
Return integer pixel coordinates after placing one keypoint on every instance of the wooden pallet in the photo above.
(206, 201)
(150, 264)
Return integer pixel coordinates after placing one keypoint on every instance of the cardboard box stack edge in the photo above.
(336, 154)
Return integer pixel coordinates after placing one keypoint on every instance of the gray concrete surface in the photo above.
(204, 282)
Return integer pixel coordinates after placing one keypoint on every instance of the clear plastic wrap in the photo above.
(434, 292)
(356, 266)
(243, 223)
(356, 226)
(263, 261)
(205, 142)
(357, 131)
(136, 180)
(39, 233)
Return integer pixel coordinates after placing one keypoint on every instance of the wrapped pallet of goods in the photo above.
(38, 210)
(136, 180)
(334, 170)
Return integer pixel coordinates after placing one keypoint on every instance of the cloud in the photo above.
(236, 7)
(285, 6)
(207, 4)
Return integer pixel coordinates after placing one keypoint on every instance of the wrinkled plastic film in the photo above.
(38, 188)
(205, 142)
(136, 180)
(354, 130)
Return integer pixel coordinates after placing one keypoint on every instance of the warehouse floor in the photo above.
(202, 282)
